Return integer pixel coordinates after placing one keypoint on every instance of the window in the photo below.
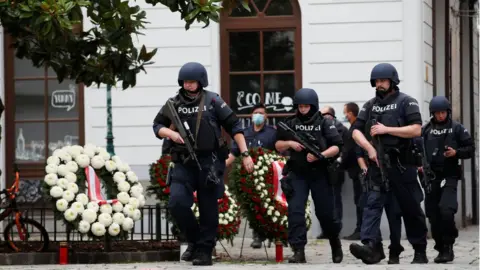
(261, 57)
(41, 115)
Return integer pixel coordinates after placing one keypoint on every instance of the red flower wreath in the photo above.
(256, 193)
(229, 217)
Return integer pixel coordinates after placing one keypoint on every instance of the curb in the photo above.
(90, 257)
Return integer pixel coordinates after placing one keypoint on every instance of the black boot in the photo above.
(369, 253)
(337, 253)
(202, 257)
(393, 257)
(420, 257)
(445, 255)
(321, 236)
(189, 253)
(256, 243)
(298, 256)
(354, 236)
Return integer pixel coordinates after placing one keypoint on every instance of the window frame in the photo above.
(30, 170)
(260, 22)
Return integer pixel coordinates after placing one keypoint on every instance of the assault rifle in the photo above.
(383, 159)
(305, 140)
(428, 174)
(184, 131)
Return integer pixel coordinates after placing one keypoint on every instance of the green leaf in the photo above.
(192, 15)
(26, 15)
(245, 5)
(47, 27)
(69, 6)
(25, 8)
(107, 15)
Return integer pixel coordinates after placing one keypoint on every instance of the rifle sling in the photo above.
(199, 117)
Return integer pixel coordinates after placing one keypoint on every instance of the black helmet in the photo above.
(306, 96)
(439, 104)
(193, 71)
(384, 71)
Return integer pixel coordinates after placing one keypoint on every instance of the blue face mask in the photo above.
(345, 119)
(258, 118)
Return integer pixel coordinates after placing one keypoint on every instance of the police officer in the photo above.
(339, 175)
(446, 142)
(205, 112)
(394, 216)
(307, 173)
(259, 134)
(390, 121)
(351, 164)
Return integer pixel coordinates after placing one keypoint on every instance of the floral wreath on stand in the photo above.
(73, 183)
(228, 218)
(260, 195)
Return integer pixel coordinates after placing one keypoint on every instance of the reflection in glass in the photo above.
(279, 8)
(24, 68)
(240, 11)
(29, 100)
(279, 50)
(244, 92)
(260, 4)
(62, 99)
(244, 51)
(62, 134)
(274, 120)
(279, 90)
(29, 142)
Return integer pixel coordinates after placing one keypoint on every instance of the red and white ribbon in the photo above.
(95, 188)
(277, 175)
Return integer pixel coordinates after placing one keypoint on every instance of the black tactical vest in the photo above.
(390, 112)
(209, 132)
(313, 127)
(436, 138)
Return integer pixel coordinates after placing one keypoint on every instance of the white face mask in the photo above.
(258, 118)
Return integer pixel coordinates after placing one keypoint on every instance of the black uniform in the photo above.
(441, 194)
(185, 176)
(304, 177)
(343, 132)
(394, 110)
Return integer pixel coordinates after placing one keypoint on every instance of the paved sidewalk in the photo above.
(318, 253)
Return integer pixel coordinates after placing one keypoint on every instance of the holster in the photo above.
(169, 173)
(397, 158)
(286, 185)
(362, 177)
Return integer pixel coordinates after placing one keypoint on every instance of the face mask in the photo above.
(345, 119)
(257, 119)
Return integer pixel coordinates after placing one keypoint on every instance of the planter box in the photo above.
(90, 257)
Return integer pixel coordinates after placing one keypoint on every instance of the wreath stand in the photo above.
(278, 247)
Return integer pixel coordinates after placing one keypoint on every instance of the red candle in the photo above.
(63, 253)
(278, 251)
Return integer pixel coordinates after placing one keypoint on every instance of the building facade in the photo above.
(266, 55)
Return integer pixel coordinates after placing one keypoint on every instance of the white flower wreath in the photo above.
(74, 186)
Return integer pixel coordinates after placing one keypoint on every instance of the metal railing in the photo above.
(153, 226)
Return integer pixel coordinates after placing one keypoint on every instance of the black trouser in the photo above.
(406, 189)
(359, 199)
(340, 179)
(441, 205)
(323, 196)
(185, 179)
